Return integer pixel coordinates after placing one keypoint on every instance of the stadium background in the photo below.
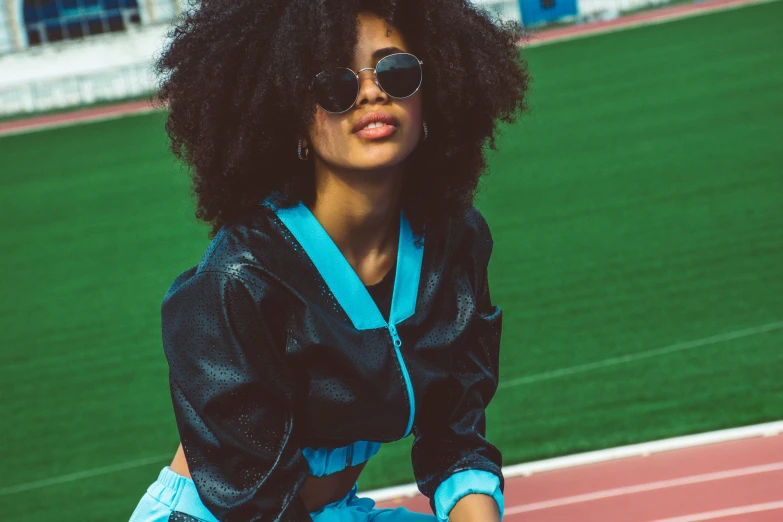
(637, 218)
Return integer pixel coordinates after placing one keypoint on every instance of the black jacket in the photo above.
(265, 360)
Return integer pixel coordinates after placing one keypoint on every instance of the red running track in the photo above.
(737, 481)
(78, 116)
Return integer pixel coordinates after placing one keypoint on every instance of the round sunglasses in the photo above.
(336, 90)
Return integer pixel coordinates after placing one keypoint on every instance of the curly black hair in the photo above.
(236, 75)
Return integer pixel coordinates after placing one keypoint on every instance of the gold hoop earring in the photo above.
(306, 151)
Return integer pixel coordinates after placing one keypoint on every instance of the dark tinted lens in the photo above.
(399, 74)
(335, 90)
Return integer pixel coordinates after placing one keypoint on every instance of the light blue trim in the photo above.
(406, 278)
(339, 275)
(171, 492)
(349, 290)
(463, 483)
(342, 279)
(325, 461)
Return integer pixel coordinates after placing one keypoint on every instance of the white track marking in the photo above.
(62, 479)
(649, 486)
(768, 429)
(644, 449)
(561, 372)
(712, 515)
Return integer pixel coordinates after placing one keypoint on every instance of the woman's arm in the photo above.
(233, 396)
(453, 461)
(473, 507)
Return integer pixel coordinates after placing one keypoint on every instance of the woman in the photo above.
(343, 301)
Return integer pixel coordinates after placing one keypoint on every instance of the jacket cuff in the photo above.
(463, 483)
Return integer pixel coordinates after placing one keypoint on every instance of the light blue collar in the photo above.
(340, 276)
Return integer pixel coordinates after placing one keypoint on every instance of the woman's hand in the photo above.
(475, 507)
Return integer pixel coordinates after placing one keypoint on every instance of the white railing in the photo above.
(101, 68)
(590, 10)
(57, 93)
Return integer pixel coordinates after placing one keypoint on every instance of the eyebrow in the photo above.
(386, 51)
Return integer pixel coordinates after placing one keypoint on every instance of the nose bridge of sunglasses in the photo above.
(374, 74)
(374, 77)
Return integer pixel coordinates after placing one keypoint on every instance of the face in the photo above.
(332, 140)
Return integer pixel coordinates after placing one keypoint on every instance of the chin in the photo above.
(381, 159)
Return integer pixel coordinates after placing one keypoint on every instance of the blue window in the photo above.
(54, 20)
(30, 13)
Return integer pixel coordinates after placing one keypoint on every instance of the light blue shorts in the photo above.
(172, 496)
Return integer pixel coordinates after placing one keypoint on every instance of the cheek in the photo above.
(413, 108)
(414, 117)
(325, 131)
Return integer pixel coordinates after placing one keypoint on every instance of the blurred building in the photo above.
(67, 53)
(29, 23)
(505, 9)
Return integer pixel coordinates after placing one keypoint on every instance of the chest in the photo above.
(366, 358)
(369, 384)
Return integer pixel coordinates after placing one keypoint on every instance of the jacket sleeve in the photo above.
(451, 454)
(233, 397)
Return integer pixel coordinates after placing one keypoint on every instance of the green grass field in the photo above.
(637, 206)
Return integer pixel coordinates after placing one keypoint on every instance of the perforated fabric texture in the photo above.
(264, 361)
(176, 516)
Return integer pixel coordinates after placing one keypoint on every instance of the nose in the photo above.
(369, 90)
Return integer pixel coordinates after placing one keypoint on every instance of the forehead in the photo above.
(375, 36)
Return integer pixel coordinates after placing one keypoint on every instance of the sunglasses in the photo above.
(336, 90)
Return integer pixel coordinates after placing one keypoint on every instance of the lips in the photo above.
(373, 117)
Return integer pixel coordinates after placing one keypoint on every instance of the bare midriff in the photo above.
(316, 491)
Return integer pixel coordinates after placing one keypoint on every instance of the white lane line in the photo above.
(712, 515)
(650, 486)
(84, 474)
(679, 347)
(643, 449)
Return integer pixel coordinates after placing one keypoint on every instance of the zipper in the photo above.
(395, 336)
(408, 386)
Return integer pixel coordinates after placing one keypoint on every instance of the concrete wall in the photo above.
(505, 9)
(13, 37)
(102, 67)
(6, 44)
(158, 11)
(605, 9)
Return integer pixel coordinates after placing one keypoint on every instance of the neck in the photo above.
(360, 210)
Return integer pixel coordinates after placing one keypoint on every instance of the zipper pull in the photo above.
(395, 336)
